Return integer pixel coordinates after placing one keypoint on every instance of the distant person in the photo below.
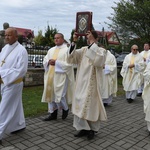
(146, 57)
(58, 79)
(1, 41)
(87, 105)
(109, 88)
(146, 95)
(5, 25)
(132, 69)
(13, 67)
(2, 35)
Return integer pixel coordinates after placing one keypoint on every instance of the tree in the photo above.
(132, 17)
(48, 39)
(39, 38)
(49, 35)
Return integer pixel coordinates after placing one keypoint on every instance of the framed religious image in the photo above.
(83, 23)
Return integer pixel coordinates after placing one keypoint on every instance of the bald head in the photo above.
(134, 49)
(11, 35)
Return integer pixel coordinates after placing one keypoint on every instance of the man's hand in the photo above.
(52, 62)
(75, 37)
(104, 66)
(90, 37)
(131, 66)
(144, 59)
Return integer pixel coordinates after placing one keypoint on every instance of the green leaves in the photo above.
(47, 39)
(132, 16)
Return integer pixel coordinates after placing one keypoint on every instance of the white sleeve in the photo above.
(107, 69)
(58, 67)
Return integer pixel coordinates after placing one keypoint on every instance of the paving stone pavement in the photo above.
(125, 130)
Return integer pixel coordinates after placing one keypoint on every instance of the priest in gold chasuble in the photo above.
(87, 105)
(131, 72)
(58, 79)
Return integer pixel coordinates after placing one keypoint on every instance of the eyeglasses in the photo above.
(134, 49)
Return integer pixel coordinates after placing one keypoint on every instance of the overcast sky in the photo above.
(37, 14)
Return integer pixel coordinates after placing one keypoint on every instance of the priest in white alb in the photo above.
(87, 105)
(13, 67)
(146, 95)
(132, 70)
(58, 79)
(109, 88)
(146, 57)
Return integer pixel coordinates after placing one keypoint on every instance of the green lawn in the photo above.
(120, 88)
(32, 99)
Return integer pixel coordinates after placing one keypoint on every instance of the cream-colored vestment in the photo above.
(146, 55)
(87, 103)
(59, 78)
(132, 78)
(109, 77)
(146, 93)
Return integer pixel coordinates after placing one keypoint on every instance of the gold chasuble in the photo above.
(145, 55)
(50, 86)
(131, 63)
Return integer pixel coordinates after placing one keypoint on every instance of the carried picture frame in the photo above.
(83, 23)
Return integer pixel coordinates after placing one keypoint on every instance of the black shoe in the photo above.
(49, 118)
(130, 100)
(52, 116)
(148, 132)
(81, 133)
(90, 135)
(65, 114)
(139, 94)
(17, 131)
(105, 104)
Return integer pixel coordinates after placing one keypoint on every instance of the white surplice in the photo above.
(146, 94)
(109, 88)
(63, 77)
(132, 81)
(145, 54)
(15, 67)
(87, 105)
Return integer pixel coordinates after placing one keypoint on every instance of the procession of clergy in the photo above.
(136, 77)
(95, 85)
(135, 72)
(136, 81)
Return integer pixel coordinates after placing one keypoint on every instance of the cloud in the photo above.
(36, 15)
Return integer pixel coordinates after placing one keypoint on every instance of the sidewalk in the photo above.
(125, 130)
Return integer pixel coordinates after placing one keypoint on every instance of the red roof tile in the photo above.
(112, 37)
(25, 32)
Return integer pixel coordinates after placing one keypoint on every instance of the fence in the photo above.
(35, 72)
(35, 56)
